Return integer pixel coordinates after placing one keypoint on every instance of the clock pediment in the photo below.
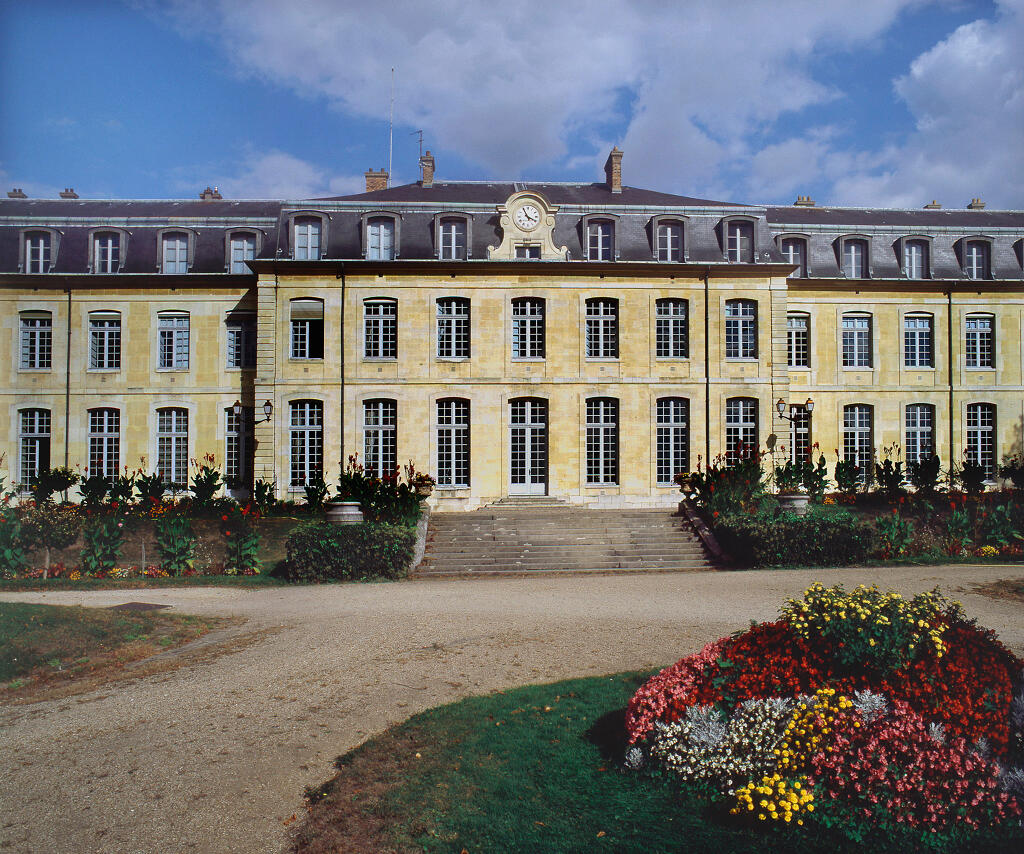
(527, 223)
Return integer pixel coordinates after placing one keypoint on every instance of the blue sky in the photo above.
(880, 102)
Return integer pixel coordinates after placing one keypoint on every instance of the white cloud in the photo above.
(278, 175)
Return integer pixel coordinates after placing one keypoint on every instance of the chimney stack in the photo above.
(16, 193)
(933, 205)
(209, 195)
(613, 170)
(376, 180)
(976, 205)
(69, 193)
(427, 169)
(804, 202)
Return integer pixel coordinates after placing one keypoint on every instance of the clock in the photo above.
(527, 217)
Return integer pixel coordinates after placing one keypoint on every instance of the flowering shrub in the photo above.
(776, 798)
(103, 541)
(238, 526)
(176, 543)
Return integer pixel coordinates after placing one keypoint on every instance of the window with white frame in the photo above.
(794, 250)
(306, 243)
(241, 329)
(919, 435)
(172, 445)
(380, 329)
(740, 329)
(979, 341)
(981, 437)
(798, 340)
(174, 252)
(918, 341)
(106, 252)
(799, 434)
(453, 328)
(602, 328)
(528, 251)
(38, 245)
(858, 439)
(453, 443)
(671, 329)
(915, 259)
(673, 439)
(741, 439)
(857, 341)
(452, 234)
(104, 442)
(600, 240)
(36, 329)
(380, 441)
(855, 259)
(740, 246)
(33, 445)
(305, 442)
(172, 342)
(380, 239)
(602, 441)
(976, 259)
(307, 328)
(528, 328)
(243, 249)
(669, 241)
(239, 463)
(104, 340)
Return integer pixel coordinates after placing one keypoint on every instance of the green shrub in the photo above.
(324, 551)
(50, 526)
(817, 539)
(49, 481)
(241, 540)
(816, 479)
(94, 489)
(176, 543)
(205, 484)
(103, 541)
(151, 487)
(848, 476)
(12, 555)
(316, 493)
(891, 477)
(263, 495)
(895, 535)
(723, 489)
(971, 476)
(924, 474)
(998, 526)
(1013, 470)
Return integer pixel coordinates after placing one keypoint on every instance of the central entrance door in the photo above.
(528, 446)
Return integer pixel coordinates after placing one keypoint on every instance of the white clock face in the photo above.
(527, 217)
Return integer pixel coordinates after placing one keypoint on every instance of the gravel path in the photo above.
(213, 756)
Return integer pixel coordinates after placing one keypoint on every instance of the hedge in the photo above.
(785, 539)
(324, 551)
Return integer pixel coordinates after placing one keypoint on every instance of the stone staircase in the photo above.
(524, 538)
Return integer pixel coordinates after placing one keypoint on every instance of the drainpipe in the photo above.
(341, 405)
(67, 390)
(707, 368)
(949, 350)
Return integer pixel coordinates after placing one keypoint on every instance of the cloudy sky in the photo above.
(874, 102)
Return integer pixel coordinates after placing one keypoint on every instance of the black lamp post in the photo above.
(268, 409)
(780, 407)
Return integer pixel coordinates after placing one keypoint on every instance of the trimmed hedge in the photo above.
(785, 539)
(324, 551)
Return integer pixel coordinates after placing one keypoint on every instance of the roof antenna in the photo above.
(420, 134)
(391, 125)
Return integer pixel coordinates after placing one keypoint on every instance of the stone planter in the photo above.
(344, 512)
(423, 490)
(794, 502)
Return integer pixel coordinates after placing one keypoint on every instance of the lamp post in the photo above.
(268, 410)
(780, 407)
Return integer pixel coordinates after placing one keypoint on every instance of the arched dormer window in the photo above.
(240, 246)
(854, 256)
(794, 249)
(176, 248)
(38, 250)
(914, 254)
(598, 233)
(108, 248)
(453, 236)
(975, 255)
(738, 239)
(309, 234)
(668, 238)
(382, 235)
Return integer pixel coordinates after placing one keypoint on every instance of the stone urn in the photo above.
(794, 502)
(423, 490)
(344, 512)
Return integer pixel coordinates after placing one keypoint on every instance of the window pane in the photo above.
(453, 239)
(104, 442)
(741, 329)
(172, 446)
(981, 444)
(37, 341)
(856, 341)
(380, 239)
(602, 329)
(173, 344)
(798, 337)
(917, 341)
(741, 242)
(858, 441)
(528, 328)
(453, 443)
(306, 425)
(599, 241)
(602, 440)
(453, 328)
(979, 343)
(243, 248)
(34, 445)
(795, 251)
(105, 341)
(669, 242)
(380, 324)
(741, 439)
(379, 438)
(673, 439)
(919, 443)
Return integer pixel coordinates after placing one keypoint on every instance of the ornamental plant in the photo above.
(847, 475)
(894, 534)
(727, 486)
(790, 476)
(206, 483)
(103, 540)
(94, 489)
(816, 478)
(50, 526)
(12, 553)
(924, 474)
(51, 481)
(151, 487)
(241, 540)
(175, 543)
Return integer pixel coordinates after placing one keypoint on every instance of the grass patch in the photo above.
(29, 584)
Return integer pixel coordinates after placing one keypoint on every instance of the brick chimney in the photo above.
(976, 205)
(376, 180)
(933, 205)
(209, 195)
(16, 193)
(613, 170)
(804, 202)
(69, 193)
(427, 169)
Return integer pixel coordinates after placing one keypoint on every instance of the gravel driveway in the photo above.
(214, 756)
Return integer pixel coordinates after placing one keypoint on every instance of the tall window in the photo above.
(36, 340)
(602, 329)
(380, 329)
(602, 440)
(740, 329)
(798, 340)
(104, 340)
(172, 345)
(528, 332)
(241, 341)
(174, 252)
(453, 328)
(37, 252)
(239, 463)
(243, 248)
(918, 347)
(380, 418)
(976, 259)
(856, 341)
(306, 442)
(855, 259)
(794, 249)
(858, 440)
(307, 238)
(740, 246)
(979, 341)
(172, 445)
(915, 259)
(740, 429)
(307, 328)
(600, 240)
(673, 438)
(800, 434)
(106, 252)
(453, 239)
(34, 445)
(670, 241)
(981, 437)
(104, 442)
(380, 239)
(453, 443)
(671, 340)
(919, 443)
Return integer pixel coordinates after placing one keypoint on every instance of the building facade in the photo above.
(582, 341)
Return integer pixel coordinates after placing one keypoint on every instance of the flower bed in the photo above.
(866, 712)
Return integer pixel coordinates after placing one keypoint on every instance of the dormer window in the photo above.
(977, 259)
(106, 251)
(242, 248)
(855, 258)
(794, 250)
(668, 241)
(740, 241)
(174, 252)
(452, 238)
(380, 239)
(39, 251)
(915, 259)
(600, 240)
(307, 230)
